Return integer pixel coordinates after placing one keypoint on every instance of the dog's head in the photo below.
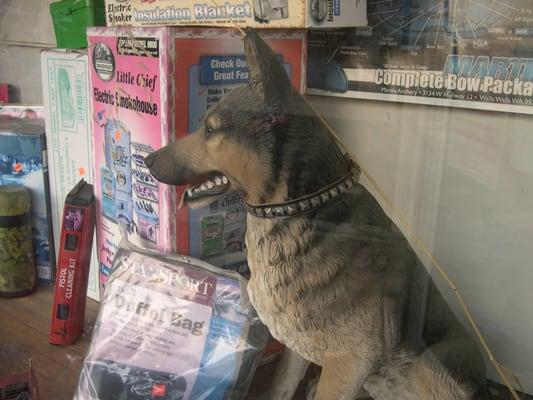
(245, 139)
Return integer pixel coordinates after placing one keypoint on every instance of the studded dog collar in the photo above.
(309, 202)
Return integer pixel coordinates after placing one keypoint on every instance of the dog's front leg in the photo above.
(342, 376)
(289, 373)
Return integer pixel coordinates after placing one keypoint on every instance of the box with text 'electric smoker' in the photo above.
(254, 13)
(148, 87)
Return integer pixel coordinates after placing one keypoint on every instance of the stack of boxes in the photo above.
(151, 82)
(142, 99)
(142, 83)
(115, 94)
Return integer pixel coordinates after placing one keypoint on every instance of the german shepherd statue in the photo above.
(331, 275)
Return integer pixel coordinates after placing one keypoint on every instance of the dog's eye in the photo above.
(209, 130)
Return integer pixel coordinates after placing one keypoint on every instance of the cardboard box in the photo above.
(130, 95)
(23, 161)
(65, 77)
(242, 13)
(212, 63)
(22, 111)
(138, 90)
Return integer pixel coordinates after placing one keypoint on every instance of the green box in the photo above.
(71, 19)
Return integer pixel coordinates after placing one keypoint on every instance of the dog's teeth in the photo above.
(203, 187)
(189, 192)
(224, 179)
(210, 185)
(218, 180)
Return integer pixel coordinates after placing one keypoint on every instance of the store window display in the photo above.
(377, 220)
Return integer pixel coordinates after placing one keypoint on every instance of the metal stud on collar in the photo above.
(307, 203)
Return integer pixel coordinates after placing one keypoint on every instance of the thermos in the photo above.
(17, 266)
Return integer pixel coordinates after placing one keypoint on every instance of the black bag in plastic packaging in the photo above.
(171, 327)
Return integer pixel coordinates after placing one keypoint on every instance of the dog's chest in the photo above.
(276, 279)
(284, 319)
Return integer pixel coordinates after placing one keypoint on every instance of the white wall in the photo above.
(24, 27)
(464, 180)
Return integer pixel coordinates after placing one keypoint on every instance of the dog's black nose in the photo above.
(149, 161)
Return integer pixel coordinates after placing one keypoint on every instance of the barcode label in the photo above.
(81, 105)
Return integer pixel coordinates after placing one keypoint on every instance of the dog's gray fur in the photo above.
(340, 286)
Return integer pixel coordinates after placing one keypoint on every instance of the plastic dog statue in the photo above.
(332, 277)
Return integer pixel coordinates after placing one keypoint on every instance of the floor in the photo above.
(24, 326)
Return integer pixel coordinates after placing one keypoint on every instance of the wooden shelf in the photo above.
(24, 324)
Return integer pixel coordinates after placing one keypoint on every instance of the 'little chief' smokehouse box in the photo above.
(134, 83)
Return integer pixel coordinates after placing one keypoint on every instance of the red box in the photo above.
(4, 93)
(185, 84)
(75, 247)
(210, 62)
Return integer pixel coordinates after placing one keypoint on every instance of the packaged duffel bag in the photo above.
(171, 327)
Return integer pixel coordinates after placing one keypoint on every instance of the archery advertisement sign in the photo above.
(468, 53)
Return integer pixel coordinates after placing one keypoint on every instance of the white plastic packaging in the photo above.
(171, 327)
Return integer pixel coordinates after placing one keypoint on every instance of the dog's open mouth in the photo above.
(204, 193)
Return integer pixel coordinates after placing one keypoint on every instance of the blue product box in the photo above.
(23, 161)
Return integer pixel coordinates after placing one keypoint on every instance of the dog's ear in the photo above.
(267, 75)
